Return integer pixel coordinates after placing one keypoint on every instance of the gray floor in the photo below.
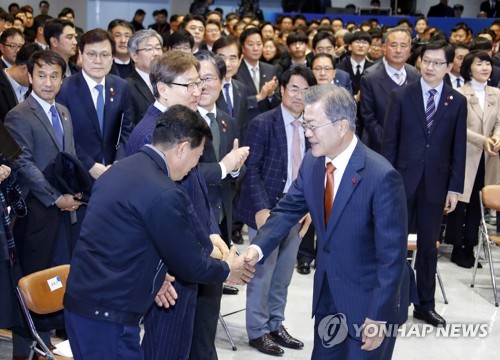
(466, 305)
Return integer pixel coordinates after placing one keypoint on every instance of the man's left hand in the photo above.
(306, 222)
(451, 202)
(167, 295)
(373, 334)
(219, 245)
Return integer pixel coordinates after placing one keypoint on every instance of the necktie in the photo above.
(100, 107)
(296, 156)
(398, 78)
(430, 109)
(329, 191)
(458, 83)
(358, 70)
(214, 128)
(57, 126)
(228, 99)
(255, 78)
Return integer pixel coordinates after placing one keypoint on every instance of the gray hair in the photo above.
(337, 102)
(397, 29)
(140, 36)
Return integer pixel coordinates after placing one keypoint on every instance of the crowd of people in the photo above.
(329, 141)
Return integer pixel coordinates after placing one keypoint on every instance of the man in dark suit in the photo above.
(425, 140)
(362, 276)
(259, 78)
(137, 233)
(14, 81)
(379, 80)
(220, 166)
(323, 67)
(11, 40)
(60, 35)
(441, 10)
(278, 145)
(491, 7)
(42, 128)
(100, 104)
(121, 31)
(143, 47)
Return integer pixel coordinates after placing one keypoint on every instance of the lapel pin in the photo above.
(64, 116)
(224, 126)
(353, 180)
(112, 91)
(445, 104)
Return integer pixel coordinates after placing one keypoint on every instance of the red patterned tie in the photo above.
(329, 191)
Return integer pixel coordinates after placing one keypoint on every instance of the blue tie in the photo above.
(100, 107)
(57, 126)
(430, 109)
(228, 99)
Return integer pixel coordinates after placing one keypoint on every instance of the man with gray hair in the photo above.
(143, 47)
(356, 201)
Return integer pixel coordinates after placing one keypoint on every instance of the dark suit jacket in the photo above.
(440, 10)
(494, 79)
(140, 96)
(266, 167)
(32, 129)
(491, 11)
(342, 79)
(362, 256)
(346, 66)
(437, 158)
(220, 191)
(150, 235)
(376, 87)
(9, 98)
(266, 72)
(91, 145)
(240, 107)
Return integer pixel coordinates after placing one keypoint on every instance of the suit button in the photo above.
(428, 146)
(284, 180)
(106, 314)
(326, 251)
(278, 198)
(97, 312)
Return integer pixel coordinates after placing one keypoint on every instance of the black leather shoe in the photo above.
(265, 344)
(236, 237)
(282, 337)
(430, 317)
(303, 268)
(230, 290)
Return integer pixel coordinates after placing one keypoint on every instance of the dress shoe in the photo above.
(265, 344)
(230, 290)
(303, 268)
(236, 237)
(430, 317)
(282, 337)
(464, 257)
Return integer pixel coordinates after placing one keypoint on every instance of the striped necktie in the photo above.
(430, 109)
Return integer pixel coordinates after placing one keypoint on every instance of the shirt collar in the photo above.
(18, 88)
(341, 160)
(120, 62)
(354, 63)
(426, 87)
(91, 82)
(250, 67)
(160, 106)
(145, 76)
(44, 104)
(161, 154)
(287, 116)
(204, 112)
(391, 71)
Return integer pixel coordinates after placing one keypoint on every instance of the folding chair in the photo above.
(42, 293)
(489, 197)
(412, 246)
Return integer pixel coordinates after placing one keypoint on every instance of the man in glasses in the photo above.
(11, 41)
(356, 202)
(425, 140)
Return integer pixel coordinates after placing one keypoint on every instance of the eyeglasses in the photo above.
(209, 79)
(14, 46)
(435, 64)
(92, 55)
(151, 48)
(326, 69)
(191, 87)
(308, 126)
(294, 90)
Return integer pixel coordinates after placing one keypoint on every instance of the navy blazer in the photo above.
(91, 145)
(342, 79)
(142, 234)
(266, 72)
(437, 158)
(362, 250)
(9, 98)
(376, 86)
(220, 191)
(346, 66)
(140, 96)
(240, 107)
(266, 166)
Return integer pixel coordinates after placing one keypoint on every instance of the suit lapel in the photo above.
(236, 98)
(109, 104)
(417, 103)
(318, 189)
(87, 102)
(468, 91)
(490, 102)
(264, 76)
(141, 86)
(44, 119)
(279, 128)
(245, 77)
(349, 183)
(445, 101)
(222, 122)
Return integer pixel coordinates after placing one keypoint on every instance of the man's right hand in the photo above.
(240, 271)
(67, 203)
(236, 157)
(97, 170)
(261, 217)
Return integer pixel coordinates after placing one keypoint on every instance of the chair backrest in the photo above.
(43, 291)
(491, 197)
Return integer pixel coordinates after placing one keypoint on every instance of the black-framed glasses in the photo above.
(13, 46)
(191, 87)
(436, 64)
(151, 48)
(306, 125)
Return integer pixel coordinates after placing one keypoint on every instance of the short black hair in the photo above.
(361, 36)
(40, 20)
(480, 43)
(469, 59)
(13, 5)
(323, 55)
(191, 17)
(139, 12)
(94, 36)
(178, 124)
(54, 28)
(460, 45)
(299, 70)
(216, 60)
(248, 32)
(25, 53)
(120, 22)
(449, 51)
(45, 57)
(296, 36)
(179, 37)
(322, 35)
(9, 33)
(66, 11)
(43, 2)
(224, 41)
